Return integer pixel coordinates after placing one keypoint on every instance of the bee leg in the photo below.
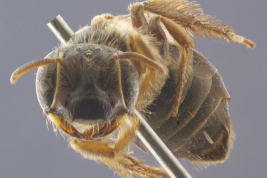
(185, 44)
(138, 42)
(145, 45)
(87, 148)
(241, 39)
(99, 19)
(136, 166)
(155, 28)
(190, 16)
(126, 164)
(138, 17)
(179, 33)
(114, 155)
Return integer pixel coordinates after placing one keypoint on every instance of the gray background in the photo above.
(28, 149)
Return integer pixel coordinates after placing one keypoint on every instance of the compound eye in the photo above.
(46, 84)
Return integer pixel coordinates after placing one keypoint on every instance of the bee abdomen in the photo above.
(212, 142)
(202, 131)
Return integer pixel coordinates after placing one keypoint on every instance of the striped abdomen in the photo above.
(202, 131)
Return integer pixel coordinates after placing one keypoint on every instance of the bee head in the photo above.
(79, 86)
(84, 87)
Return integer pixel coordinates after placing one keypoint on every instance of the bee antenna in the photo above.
(30, 66)
(140, 58)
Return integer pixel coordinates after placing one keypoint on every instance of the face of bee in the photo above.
(83, 88)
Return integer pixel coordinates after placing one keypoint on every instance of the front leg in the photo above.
(114, 156)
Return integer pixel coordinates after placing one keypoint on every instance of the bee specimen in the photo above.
(144, 61)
